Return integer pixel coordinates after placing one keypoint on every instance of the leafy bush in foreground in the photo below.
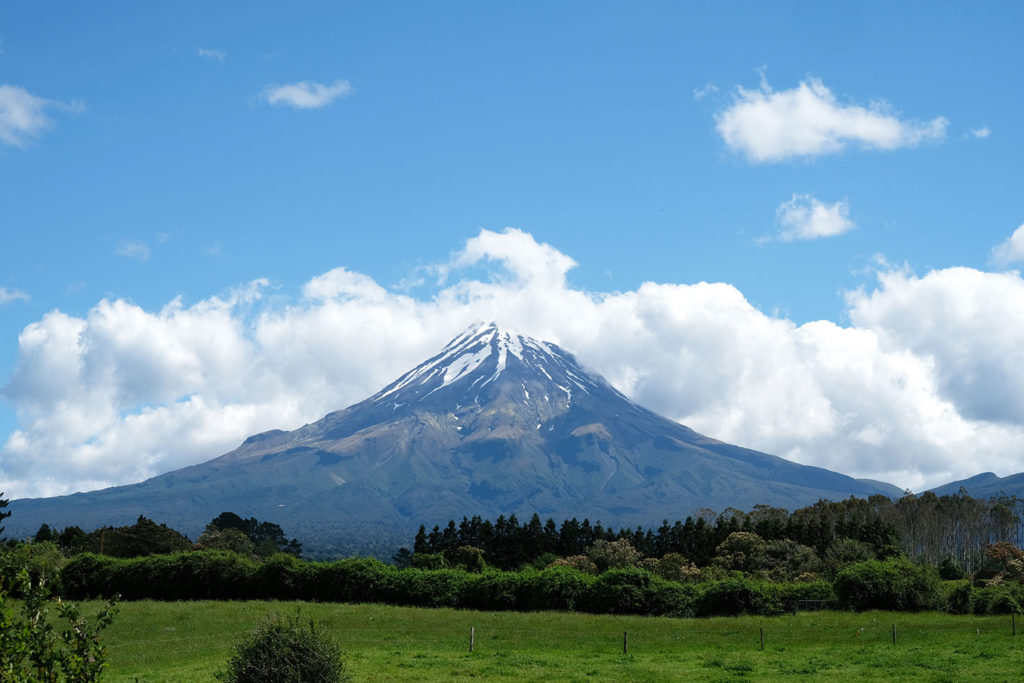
(285, 651)
(31, 649)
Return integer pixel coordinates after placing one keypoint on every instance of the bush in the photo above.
(43, 560)
(895, 584)
(285, 651)
(959, 597)
(31, 647)
(997, 599)
(738, 595)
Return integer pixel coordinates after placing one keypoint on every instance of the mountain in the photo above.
(985, 485)
(496, 423)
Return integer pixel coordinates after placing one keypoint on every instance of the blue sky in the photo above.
(853, 165)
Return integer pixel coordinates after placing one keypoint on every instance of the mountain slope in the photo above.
(496, 423)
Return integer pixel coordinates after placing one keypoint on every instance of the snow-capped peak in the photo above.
(483, 352)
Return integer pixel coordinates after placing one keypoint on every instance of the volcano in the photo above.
(496, 423)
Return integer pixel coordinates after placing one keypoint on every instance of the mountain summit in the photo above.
(496, 423)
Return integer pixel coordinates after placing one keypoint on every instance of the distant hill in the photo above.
(985, 485)
(496, 423)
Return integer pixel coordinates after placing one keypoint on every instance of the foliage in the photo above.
(895, 584)
(929, 527)
(31, 649)
(675, 567)
(145, 537)
(286, 651)
(950, 570)
(267, 538)
(580, 563)
(4, 514)
(616, 554)
(428, 561)
(469, 558)
(737, 551)
(43, 561)
(1009, 558)
(234, 540)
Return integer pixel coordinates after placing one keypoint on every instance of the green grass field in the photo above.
(152, 641)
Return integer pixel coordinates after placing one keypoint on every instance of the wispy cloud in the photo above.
(808, 121)
(806, 218)
(9, 295)
(305, 94)
(1010, 251)
(700, 93)
(137, 251)
(218, 55)
(982, 132)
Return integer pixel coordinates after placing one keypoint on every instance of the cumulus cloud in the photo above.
(808, 121)
(982, 132)
(136, 251)
(806, 218)
(1010, 251)
(924, 386)
(9, 295)
(305, 94)
(207, 53)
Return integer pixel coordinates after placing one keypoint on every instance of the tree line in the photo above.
(951, 529)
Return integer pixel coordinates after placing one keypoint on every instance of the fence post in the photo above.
(1013, 623)
(472, 637)
(762, 638)
(894, 634)
(625, 642)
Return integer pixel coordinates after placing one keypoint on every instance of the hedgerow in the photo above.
(221, 575)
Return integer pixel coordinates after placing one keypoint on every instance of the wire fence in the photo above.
(742, 634)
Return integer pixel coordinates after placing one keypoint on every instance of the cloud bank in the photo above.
(808, 121)
(925, 385)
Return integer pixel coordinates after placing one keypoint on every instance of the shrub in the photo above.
(997, 599)
(31, 649)
(557, 588)
(43, 560)
(285, 651)
(737, 595)
(895, 584)
(959, 597)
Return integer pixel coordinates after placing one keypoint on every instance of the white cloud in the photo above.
(306, 94)
(9, 295)
(982, 132)
(926, 385)
(22, 115)
(806, 218)
(1010, 251)
(808, 121)
(136, 251)
(218, 55)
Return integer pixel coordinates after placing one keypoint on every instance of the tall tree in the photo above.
(3, 514)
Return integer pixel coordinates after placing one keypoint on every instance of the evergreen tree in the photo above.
(3, 514)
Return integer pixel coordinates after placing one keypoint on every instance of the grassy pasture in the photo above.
(189, 641)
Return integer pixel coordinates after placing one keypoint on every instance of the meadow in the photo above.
(190, 641)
